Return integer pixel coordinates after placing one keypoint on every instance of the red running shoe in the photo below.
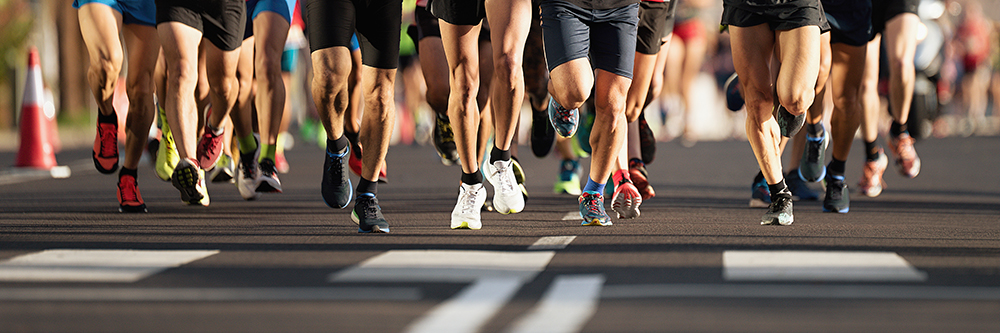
(906, 157)
(129, 199)
(209, 149)
(106, 146)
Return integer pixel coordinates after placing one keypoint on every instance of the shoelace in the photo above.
(506, 183)
(469, 204)
(370, 208)
(905, 147)
(337, 160)
(108, 142)
(812, 153)
(210, 145)
(126, 185)
(563, 114)
(779, 203)
(590, 200)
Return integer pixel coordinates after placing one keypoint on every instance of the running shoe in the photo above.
(519, 176)
(247, 174)
(268, 181)
(780, 210)
(224, 170)
(734, 100)
(626, 200)
(166, 154)
(209, 148)
(368, 215)
(592, 209)
(800, 190)
(507, 196)
(907, 161)
(471, 199)
(129, 199)
(542, 134)
(105, 151)
(565, 122)
(838, 199)
(569, 179)
(354, 162)
(871, 182)
(587, 117)
(336, 186)
(788, 124)
(812, 166)
(647, 141)
(637, 171)
(280, 163)
(760, 196)
(444, 141)
(190, 180)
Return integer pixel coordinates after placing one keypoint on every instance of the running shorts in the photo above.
(850, 21)
(569, 32)
(377, 22)
(656, 20)
(220, 21)
(285, 8)
(778, 14)
(427, 24)
(885, 10)
(141, 12)
(458, 12)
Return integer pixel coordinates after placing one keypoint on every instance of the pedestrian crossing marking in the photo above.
(106, 294)
(445, 266)
(552, 243)
(470, 309)
(572, 216)
(817, 266)
(77, 265)
(566, 306)
(801, 291)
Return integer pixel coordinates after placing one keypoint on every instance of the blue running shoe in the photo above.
(800, 191)
(569, 179)
(788, 123)
(734, 100)
(336, 185)
(837, 198)
(368, 215)
(812, 166)
(592, 209)
(565, 122)
(760, 196)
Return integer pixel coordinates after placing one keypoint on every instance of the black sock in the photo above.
(352, 137)
(759, 177)
(499, 155)
(896, 129)
(815, 130)
(472, 178)
(776, 188)
(338, 145)
(367, 186)
(128, 172)
(109, 119)
(871, 150)
(836, 167)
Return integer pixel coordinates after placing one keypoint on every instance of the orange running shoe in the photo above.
(129, 199)
(907, 161)
(871, 182)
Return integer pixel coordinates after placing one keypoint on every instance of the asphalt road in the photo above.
(922, 257)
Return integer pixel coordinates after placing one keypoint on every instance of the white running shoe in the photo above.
(470, 201)
(507, 198)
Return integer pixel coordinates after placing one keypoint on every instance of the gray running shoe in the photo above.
(368, 215)
(780, 210)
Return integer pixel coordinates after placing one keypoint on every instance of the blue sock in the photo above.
(593, 186)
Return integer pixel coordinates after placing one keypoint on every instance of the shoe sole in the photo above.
(189, 192)
(841, 211)
(597, 222)
(132, 209)
(777, 221)
(464, 225)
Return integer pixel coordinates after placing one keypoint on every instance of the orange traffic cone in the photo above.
(36, 151)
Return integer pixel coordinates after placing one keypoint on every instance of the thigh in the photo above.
(99, 24)
(752, 48)
(510, 22)
(143, 50)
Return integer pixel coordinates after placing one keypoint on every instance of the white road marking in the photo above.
(572, 216)
(566, 306)
(783, 291)
(445, 266)
(552, 243)
(205, 294)
(67, 265)
(470, 308)
(817, 266)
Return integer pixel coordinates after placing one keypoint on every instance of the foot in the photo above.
(871, 183)
(569, 179)
(780, 210)
(837, 198)
(190, 180)
(470, 202)
(760, 196)
(368, 215)
(280, 163)
(542, 133)
(637, 172)
(647, 141)
(592, 209)
(129, 199)
(626, 200)
(105, 151)
(209, 148)
(734, 100)
(788, 123)
(565, 122)
(907, 161)
(800, 190)
(166, 154)
(247, 174)
(224, 170)
(336, 185)
(444, 141)
(812, 166)
(268, 181)
(507, 198)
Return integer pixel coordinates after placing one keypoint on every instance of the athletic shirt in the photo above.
(601, 4)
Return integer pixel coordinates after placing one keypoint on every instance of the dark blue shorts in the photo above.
(607, 35)
(850, 21)
(133, 11)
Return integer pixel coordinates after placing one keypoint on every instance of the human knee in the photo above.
(508, 69)
(796, 100)
(465, 83)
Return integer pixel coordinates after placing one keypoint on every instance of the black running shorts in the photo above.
(458, 12)
(885, 10)
(850, 21)
(332, 22)
(608, 35)
(656, 20)
(427, 24)
(778, 14)
(220, 21)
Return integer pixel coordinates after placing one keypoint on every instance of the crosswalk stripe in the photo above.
(552, 243)
(206, 294)
(785, 291)
(566, 306)
(470, 309)
(76, 265)
(445, 266)
(817, 266)
(572, 216)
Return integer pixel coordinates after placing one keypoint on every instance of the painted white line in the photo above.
(95, 265)
(205, 294)
(566, 306)
(470, 309)
(783, 291)
(552, 243)
(572, 216)
(445, 266)
(817, 266)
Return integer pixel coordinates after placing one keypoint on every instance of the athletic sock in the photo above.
(128, 172)
(108, 119)
(593, 186)
(472, 178)
(871, 150)
(815, 130)
(247, 143)
(367, 186)
(836, 167)
(499, 155)
(267, 151)
(215, 131)
(338, 145)
(897, 129)
(774, 189)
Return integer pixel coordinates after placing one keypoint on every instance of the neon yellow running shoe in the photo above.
(166, 155)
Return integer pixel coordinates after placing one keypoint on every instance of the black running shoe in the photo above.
(444, 141)
(788, 123)
(268, 181)
(336, 186)
(542, 133)
(647, 141)
(734, 100)
(780, 210)
(368, 215)
(837, 198)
